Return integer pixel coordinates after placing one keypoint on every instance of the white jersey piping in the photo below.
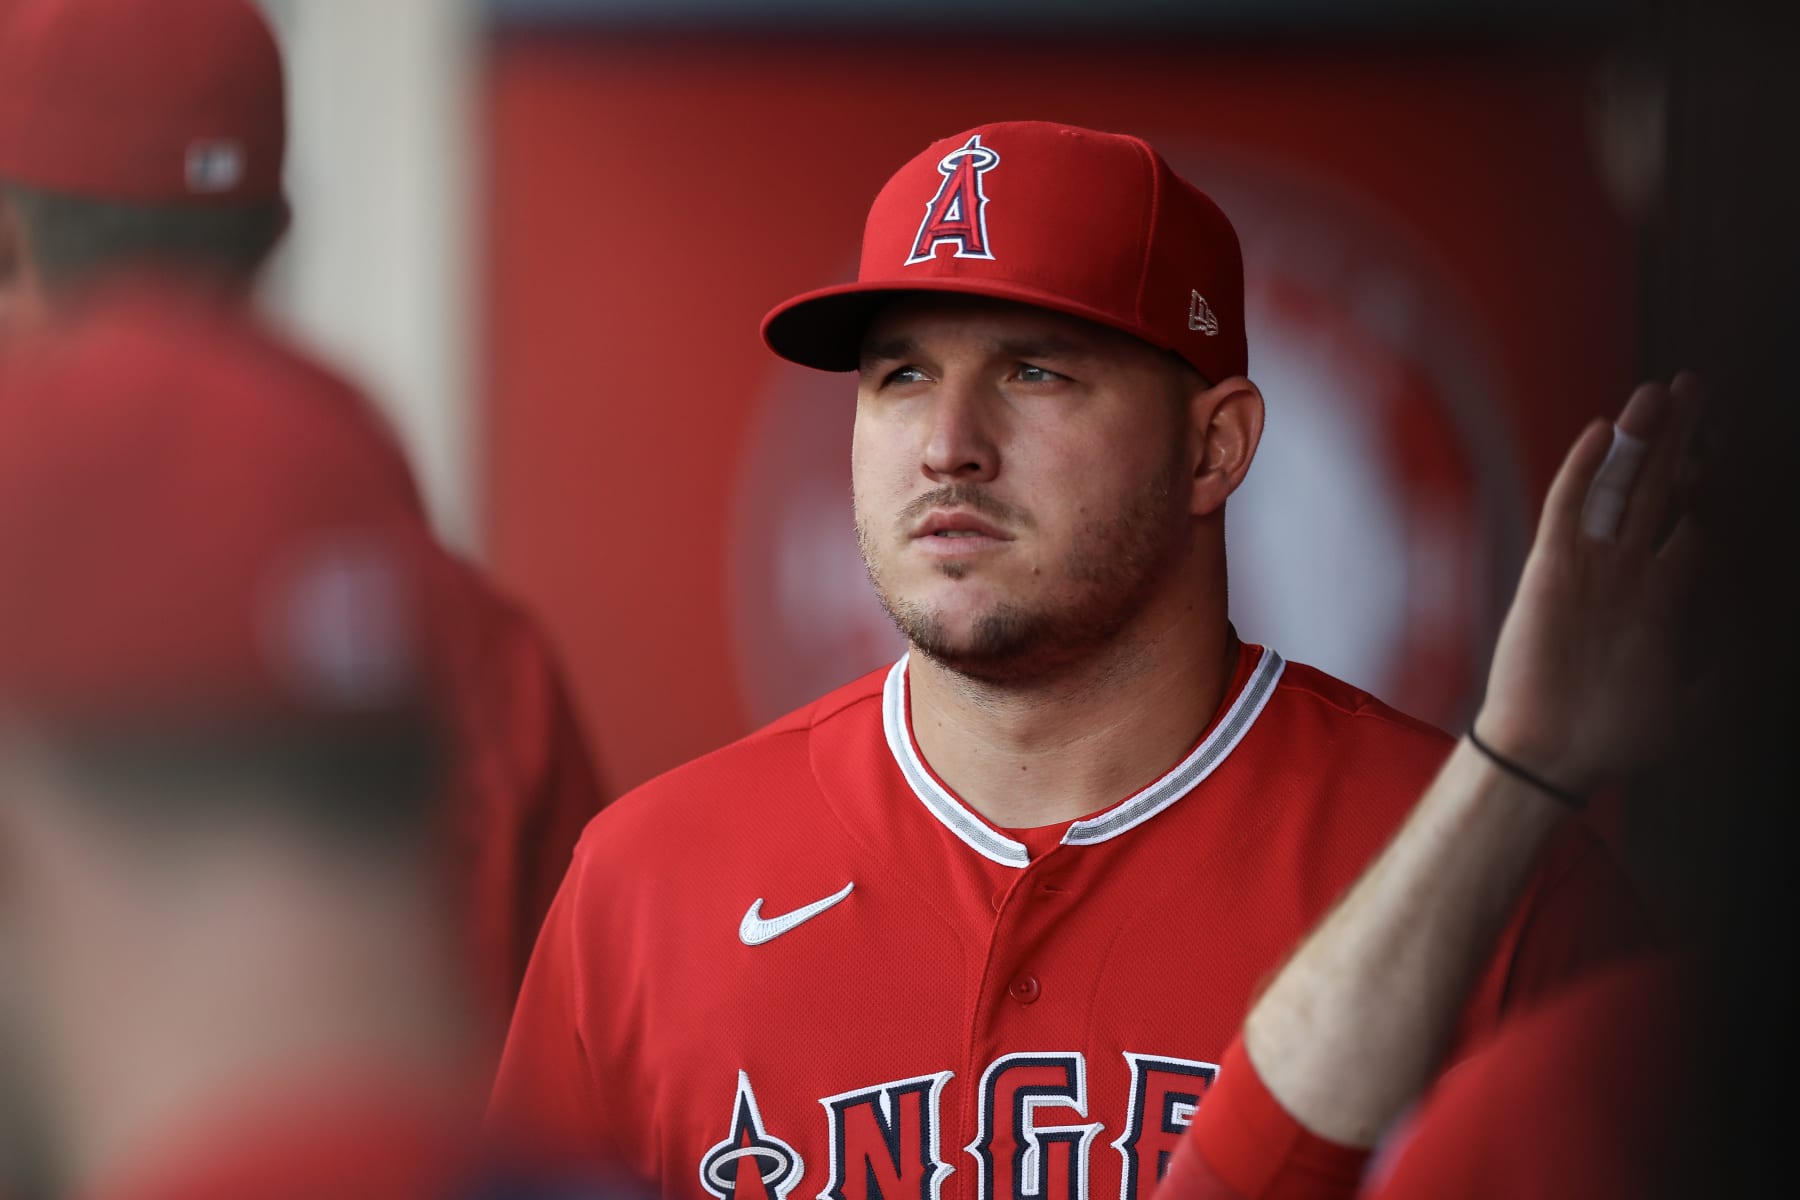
(1183, 778)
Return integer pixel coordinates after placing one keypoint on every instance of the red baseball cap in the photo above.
(1095, 225)
(150, 101)
(196, 520)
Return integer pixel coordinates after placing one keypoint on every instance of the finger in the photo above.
(1562, 504)
(1604, 504)
(1643, 414)
(1688, 387)
(1648, 503)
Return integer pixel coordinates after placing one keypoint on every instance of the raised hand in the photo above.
(1585, 681)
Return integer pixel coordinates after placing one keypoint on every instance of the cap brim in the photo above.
(824, 329)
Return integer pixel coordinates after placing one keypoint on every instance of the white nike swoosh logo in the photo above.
(754, 931)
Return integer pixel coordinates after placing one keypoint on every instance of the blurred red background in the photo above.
(1441, 290)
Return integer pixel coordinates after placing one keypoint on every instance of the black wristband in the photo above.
(1568, 798)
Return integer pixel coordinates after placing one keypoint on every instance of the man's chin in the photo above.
(996, 642)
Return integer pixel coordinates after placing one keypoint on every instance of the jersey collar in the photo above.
(1183, 778)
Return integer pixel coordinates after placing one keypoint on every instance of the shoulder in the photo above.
(685, 851)
(1328, 773)
(1310, 704)
(1332, 696)
(746, 782)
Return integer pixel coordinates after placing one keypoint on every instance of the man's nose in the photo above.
(960, 445)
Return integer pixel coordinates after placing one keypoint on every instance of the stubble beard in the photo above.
(1108, 578)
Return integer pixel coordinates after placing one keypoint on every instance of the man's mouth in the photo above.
(957, 524)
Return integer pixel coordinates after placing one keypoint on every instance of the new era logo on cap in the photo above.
(1200, 316)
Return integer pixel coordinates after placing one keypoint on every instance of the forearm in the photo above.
(1353, 1027)
(1584, 685)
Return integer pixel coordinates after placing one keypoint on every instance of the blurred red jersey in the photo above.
(368, 1144)
(802, 966)
(1573, 1099)
(375, 1141)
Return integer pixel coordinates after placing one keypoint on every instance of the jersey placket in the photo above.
(1026, 1126)
(1021, 1122)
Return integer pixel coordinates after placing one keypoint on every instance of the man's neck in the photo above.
(1044, 753)
(285, 991)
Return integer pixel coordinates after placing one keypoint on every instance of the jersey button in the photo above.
(1024, 989)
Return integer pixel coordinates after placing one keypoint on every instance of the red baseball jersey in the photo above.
(801, 966)
(1570, 1100)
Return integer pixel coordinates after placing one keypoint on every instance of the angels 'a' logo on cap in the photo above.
(958, 213)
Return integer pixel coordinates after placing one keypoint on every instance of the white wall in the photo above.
(378, 270)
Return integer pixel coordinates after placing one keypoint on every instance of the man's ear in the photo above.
(22, 300)
(12, 244)
(1227, 426)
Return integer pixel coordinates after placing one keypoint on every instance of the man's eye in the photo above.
(904, 375)
(1031, 374)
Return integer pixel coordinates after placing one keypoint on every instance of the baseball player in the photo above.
(217, 790)
(115, 160)
(1585, 687)
(983, 923)
(223, 651)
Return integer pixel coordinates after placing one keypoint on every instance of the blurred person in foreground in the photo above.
(1576, 1098)
(984, 923)
(148, 136)
(217, 761)
(223, 645)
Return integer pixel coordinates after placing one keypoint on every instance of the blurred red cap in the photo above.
(151, 101)
(195, 519)
(1095, 225)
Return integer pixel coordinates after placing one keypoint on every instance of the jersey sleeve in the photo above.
(1244, 1146)
(547, 1105)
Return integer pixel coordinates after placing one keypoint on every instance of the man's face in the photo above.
(1021, 480)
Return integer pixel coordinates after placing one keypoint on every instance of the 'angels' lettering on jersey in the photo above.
(886, 1139)
(749, 1162)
